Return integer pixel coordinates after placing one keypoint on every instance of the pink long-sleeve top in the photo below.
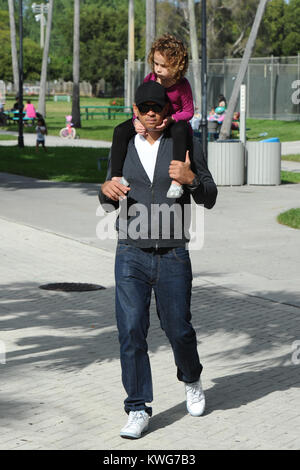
(30, 110)
(181, 98)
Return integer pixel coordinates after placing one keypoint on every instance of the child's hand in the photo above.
(139, 128)
(166, 122)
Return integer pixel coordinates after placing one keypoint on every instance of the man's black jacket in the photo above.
(147, 217)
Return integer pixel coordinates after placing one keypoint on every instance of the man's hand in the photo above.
(139, 128)
(181, 171)
(114, 190)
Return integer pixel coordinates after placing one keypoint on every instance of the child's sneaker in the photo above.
(121, 180)
(175, 191)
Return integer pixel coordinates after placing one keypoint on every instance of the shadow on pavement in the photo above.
(236, 390)
(70, 331)
(11, 182)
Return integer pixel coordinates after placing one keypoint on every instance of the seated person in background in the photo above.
(222, 101)
(30, 110)
(3, 117)
(212, 116)
(235, 122)
(220, 114)
(16, 105)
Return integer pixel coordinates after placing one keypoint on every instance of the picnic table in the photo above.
(14, 116)
(106, 111)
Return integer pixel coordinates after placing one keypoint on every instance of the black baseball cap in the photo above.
(151, 91)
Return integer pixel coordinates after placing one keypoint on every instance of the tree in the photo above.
(195, 54)
(32, 53)
(43, 80)
(131, 55)
(13, 41)
(226, 126)
(219, 28)
(103, 47)
(291, 41)
(172, 17)
(76, 66)
(150, 28)
(272, 32)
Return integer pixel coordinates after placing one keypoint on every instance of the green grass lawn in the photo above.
(292, 158)
(289, 177)
(8, 137)
(102, 129)
(73, 164)
(96, 128)
(80, 164)
(286, 131)
(290, 218)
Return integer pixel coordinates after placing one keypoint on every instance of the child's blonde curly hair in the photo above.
(175, 53)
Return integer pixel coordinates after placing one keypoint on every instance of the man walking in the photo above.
(155, 258)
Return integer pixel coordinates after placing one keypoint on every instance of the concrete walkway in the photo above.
(290, 148)
(61, 385)
(54, 141)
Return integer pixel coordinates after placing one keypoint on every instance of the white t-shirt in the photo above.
(147, 153)
(39, 135)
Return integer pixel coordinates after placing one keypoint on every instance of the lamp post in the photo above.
(40, 9)
(204, 82)
(21, 137)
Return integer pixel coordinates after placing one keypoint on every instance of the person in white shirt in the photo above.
(151, 258)
(41, 131)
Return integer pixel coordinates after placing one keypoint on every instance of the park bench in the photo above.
(107, 111)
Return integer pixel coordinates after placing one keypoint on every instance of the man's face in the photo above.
(150, 114)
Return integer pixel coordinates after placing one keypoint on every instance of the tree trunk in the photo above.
(226, 126)
(195, 54)
(131, 55)
(76, 66)
(13, 41)
(150, 29)
(43, 80)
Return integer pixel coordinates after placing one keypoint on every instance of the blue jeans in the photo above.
(170, 275)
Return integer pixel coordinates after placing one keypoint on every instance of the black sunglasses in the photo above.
(145, 108)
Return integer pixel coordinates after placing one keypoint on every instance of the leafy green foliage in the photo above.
(103, 29)
(32, 55)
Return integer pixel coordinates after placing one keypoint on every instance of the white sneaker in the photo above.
(175, 191)
(138, 422)
(195, 399)
(124, 181)
(121, 180)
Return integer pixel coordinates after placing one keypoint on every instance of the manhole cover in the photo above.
(71, 287)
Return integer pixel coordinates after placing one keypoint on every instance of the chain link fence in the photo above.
(271, 84)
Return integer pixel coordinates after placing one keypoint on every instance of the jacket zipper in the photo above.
(152, 192)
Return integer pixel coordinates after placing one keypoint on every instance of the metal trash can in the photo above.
(264, 162)
(226, 162)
